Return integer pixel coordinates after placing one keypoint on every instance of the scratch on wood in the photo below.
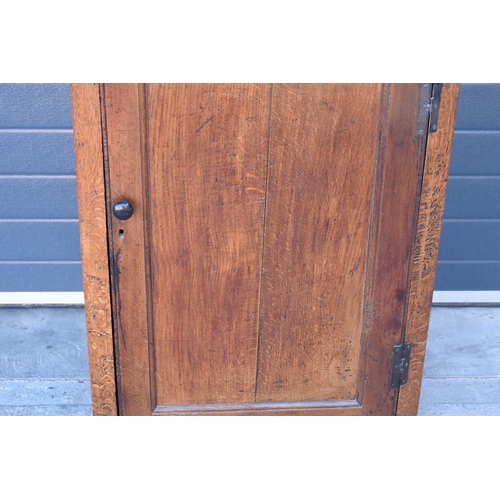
(192, 244)
(338, 132)
(210, 119)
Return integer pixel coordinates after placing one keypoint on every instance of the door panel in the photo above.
(265, 268)
(208, 148)
(322, 163)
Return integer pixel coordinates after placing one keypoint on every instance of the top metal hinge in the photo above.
(434, 102)
(400, 365)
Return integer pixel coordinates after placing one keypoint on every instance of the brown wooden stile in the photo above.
(401, 163)
(123, 108)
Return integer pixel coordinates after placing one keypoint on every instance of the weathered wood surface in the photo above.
(93, 238)
(400, 163)
(426, 245)
(266, 268)
(319, 199)
(208, 149)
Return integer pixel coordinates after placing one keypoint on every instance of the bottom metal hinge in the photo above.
(400, 365)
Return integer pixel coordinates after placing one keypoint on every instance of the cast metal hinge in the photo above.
(434, 102)
(400, 364)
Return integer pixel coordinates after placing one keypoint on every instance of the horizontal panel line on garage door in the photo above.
(474, 177)
(36, 130)
(36, 176)
(39, 220)
(463, 131)
(469, 261)
(28, 262)
(471, 220)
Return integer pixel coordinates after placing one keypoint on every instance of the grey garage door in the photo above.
(40, 248)
(40, 251)
(469, 255)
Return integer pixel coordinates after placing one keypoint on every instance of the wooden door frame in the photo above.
(92, 206)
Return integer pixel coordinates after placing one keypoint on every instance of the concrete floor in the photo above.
(43, 362)
(462, 362)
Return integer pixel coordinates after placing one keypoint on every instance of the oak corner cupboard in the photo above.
(260, 249)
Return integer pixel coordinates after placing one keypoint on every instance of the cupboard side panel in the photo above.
(93, 237)
(426, 245)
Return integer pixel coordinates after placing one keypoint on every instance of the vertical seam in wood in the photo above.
(146, 180)
(378, 179)
(111, 253)
(262, 270)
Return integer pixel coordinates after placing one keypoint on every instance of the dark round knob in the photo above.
(123, 210)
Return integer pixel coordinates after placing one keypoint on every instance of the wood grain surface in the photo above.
(426, 245)
(125, 120)
(93, 240)
(401, 160)
(266, 268)
(208, 148)
(319, 199)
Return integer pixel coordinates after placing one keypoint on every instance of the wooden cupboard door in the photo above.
(265, 267)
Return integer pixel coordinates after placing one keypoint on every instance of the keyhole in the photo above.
(121, 234)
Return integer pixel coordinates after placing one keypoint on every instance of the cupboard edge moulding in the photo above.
(280, 252)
